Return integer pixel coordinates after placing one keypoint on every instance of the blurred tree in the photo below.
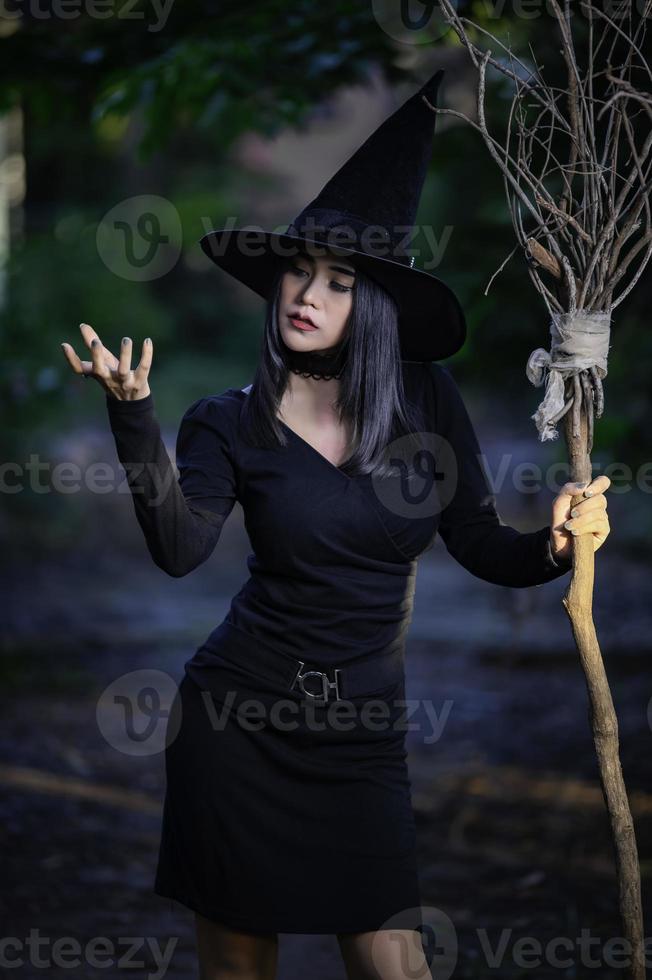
(223, 67)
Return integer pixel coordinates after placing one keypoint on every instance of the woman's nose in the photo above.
(310, 294)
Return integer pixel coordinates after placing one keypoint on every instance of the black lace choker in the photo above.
(317, 364)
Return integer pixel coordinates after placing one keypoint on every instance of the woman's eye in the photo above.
(337, 286)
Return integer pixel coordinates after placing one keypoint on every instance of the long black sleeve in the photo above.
(470, 526)
(181, 520)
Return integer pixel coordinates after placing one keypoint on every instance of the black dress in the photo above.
(295, 822)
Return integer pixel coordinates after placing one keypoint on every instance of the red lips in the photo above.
(304, 319)
(302, 324)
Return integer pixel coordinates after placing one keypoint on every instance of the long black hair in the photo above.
(371, 395)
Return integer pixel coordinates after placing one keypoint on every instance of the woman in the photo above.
(300, 819)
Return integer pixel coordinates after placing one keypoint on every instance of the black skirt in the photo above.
(282, 817)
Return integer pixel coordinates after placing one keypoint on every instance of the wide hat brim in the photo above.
(431, 321)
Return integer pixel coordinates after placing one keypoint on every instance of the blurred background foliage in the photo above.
(147, 100)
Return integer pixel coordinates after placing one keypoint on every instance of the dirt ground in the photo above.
(514, 841)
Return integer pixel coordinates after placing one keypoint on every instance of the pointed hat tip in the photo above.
(431, 87)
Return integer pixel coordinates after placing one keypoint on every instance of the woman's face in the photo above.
(318, 288)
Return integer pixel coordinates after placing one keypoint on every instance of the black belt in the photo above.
(319, 682)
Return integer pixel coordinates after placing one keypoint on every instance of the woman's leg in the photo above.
(226, 954)
(389, 954)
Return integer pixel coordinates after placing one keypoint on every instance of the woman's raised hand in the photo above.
(114, 374)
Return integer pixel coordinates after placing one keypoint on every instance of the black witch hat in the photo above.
(366, 211)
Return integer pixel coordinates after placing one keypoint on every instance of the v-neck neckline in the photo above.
(305, 442)
(332, 466)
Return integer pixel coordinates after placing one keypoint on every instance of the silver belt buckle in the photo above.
(327, 686)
